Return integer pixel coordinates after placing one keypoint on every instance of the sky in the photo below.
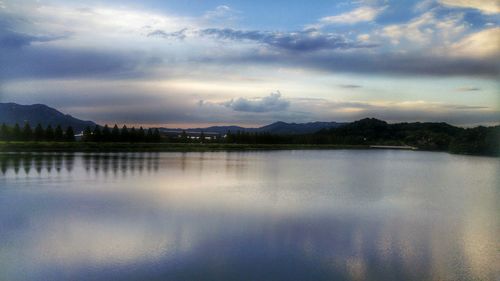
(197, 63)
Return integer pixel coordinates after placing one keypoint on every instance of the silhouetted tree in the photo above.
(39, 132)
(124, 135)
(106, 133)
(5, 132)
(115, 133)
(16, 133)
(27, 132)
(202, 136)
(87, 134)
(58, 133)
(49, 133)
(184, 136)
(96, 134)
(156, 135)
(149, 135)
(70, 134)
(230, 137)
(141, 135)
(132, 135)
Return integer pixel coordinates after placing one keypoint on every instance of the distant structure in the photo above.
(177, 134)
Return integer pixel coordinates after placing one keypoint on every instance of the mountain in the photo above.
(283, 128)
(277, 128)
(12, 113)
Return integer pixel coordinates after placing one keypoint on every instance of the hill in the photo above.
(282, 128)
(12, 113)
(424, 135)
(277, 128)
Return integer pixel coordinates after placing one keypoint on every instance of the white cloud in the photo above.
(364, 37)
(482, 44)
(221, 13)
(426, 30)
(424, 5)
(485, 6)
(361, 14)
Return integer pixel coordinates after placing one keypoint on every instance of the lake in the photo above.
(279, 215)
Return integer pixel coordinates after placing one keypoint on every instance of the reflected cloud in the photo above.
(192, 216)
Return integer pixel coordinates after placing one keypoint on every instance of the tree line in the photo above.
(115, 134)
(480, 140)
(428, 136)
(96, 134)
(39, 133)
(258, 138)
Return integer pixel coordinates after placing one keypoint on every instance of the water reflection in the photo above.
(105, 164)
(306, 215)
(25, 163)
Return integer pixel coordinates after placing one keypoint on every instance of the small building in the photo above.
(192, 135)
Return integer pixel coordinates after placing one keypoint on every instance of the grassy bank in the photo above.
(154, 147)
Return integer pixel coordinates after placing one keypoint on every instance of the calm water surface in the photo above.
(287, 215)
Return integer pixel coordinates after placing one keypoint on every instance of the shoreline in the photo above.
(157, 147)
(102, 147)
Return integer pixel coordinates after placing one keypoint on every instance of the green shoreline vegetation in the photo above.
(156, 147)
(362, 134)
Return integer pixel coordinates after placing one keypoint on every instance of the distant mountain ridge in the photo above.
(278, 128)
(12, 113)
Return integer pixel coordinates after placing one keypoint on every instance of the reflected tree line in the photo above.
(121, 162)
(115, 163)
(38, 162)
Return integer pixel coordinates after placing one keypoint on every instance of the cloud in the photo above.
(119, 102)
(12, 40)
(424, 46)
(482, 44)
(425, 30)
(349, 86)
(429, 44)
(180, 34)
(400, 64)
(306, 40)
(271, 103)
(485, 6)
(468, 89)
(400, 111)
(54, 62)
(361, 14)
(221, 13)
(110, 44)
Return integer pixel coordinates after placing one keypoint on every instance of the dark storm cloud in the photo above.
(349, 86)
(180, 34)
(20, 57)
(407, 65)
(49, 62)
(385, 63)
(10, 39)
(300, 41)
(273, 102)
(110, 102)
(468, 89)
